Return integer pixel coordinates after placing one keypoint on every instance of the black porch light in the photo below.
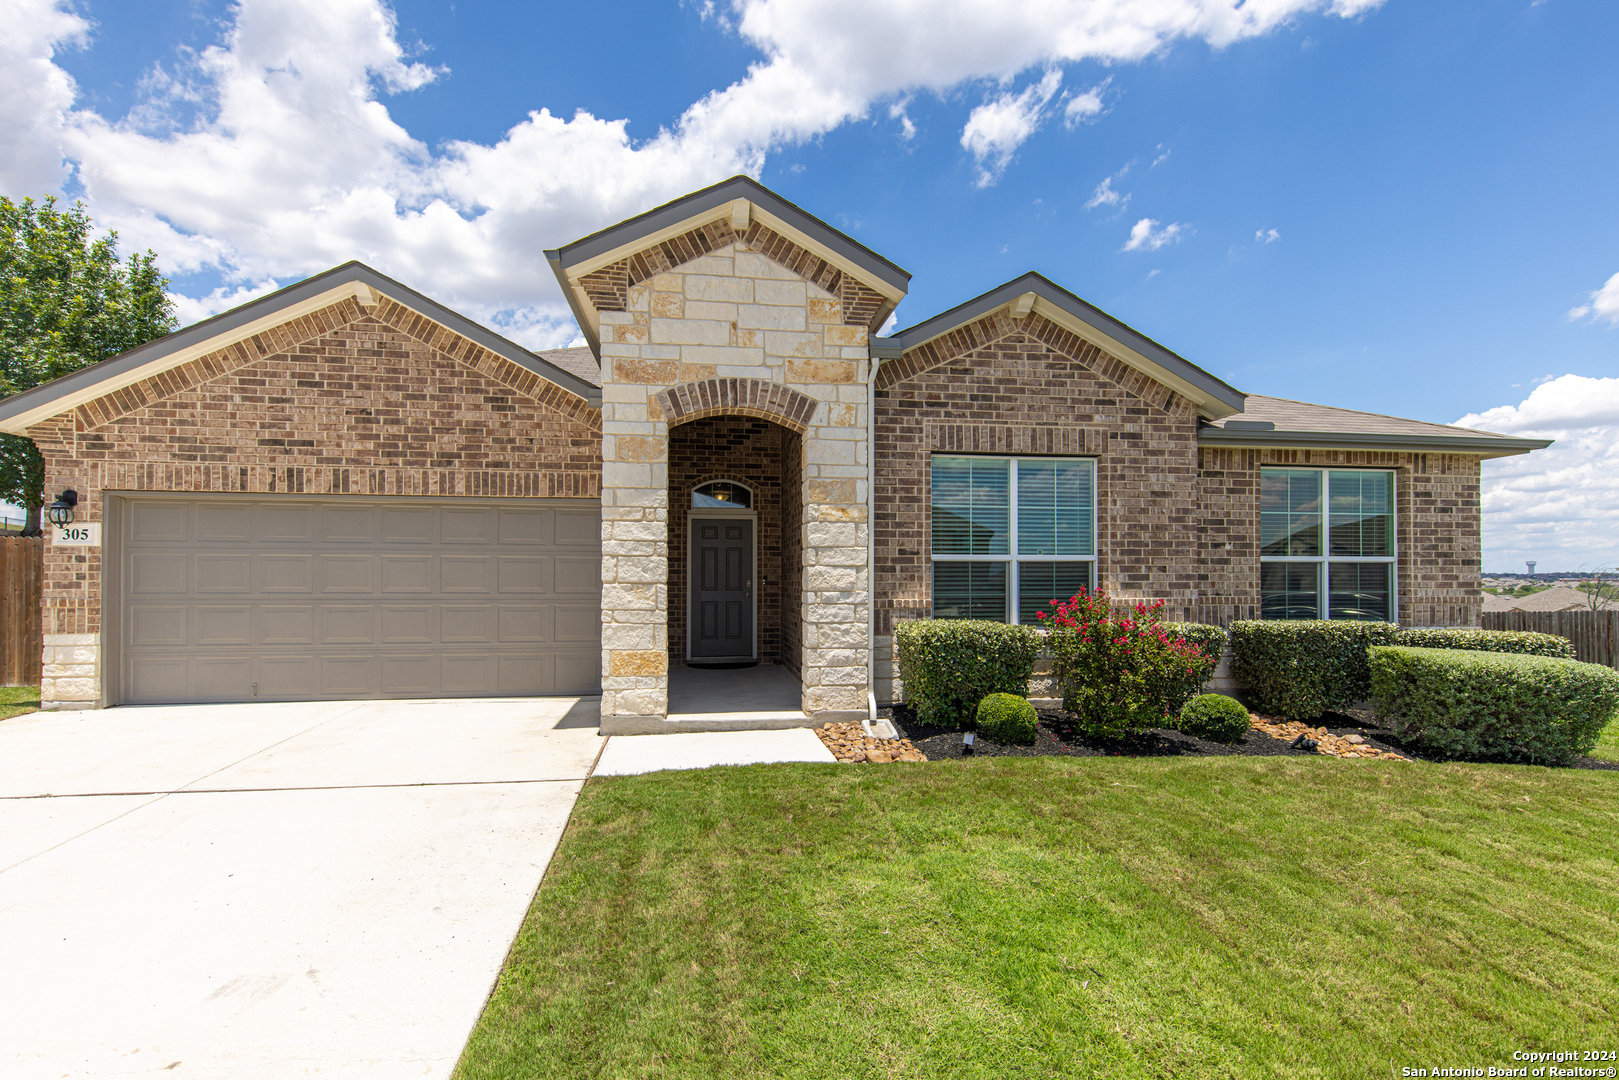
(61, 511)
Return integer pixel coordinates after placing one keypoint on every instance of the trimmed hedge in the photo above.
(1007, 718)
(1301, 669)
(1210, 640)
(950, 665)
(1502, 641)
(1216, 717)
(1498, 706)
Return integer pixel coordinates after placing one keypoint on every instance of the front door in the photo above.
(722, 589)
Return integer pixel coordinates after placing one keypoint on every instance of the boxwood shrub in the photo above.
(1506, 641)
(1210, 640)
(1301, 669)
(1498, 706)
(950, 665)
(1216, 717)
(1007, 718)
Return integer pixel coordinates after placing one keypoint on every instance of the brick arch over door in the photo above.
(758, 398)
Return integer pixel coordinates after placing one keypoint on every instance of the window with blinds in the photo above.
(1010, 535)
(1327, 549)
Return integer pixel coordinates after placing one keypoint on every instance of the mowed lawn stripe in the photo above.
(1242, 917)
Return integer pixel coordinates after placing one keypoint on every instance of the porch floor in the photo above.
(765, 692)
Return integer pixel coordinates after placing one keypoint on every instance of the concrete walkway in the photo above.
(309, 890)
(761, 692)
(627, 755)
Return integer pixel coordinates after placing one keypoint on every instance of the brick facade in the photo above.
(1437, 530)
(350, 399)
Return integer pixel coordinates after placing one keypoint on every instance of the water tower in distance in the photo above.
(1531, 565)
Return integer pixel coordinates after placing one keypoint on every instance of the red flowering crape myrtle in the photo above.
(1120, 673)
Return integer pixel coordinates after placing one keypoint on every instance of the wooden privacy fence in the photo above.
(21, 633)
(1594, 633)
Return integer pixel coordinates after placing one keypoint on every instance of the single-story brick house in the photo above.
(345, 489)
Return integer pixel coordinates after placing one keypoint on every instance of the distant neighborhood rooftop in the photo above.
(1557, 598)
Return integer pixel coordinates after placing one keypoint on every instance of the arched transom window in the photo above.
(721, 494)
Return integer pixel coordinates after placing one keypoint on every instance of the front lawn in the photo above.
(1212, 917)
(16, 700)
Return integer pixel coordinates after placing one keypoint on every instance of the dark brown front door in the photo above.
(722, 589)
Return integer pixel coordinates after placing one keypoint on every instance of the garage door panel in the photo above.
(158, 678)
(283, 677)
(576, 623)
(408, 524)
(224, 522)
(414, 625)
(155, 624)
(467, 575)
(349, 676)
(578, 576)
(416, 676)
(287, 624)
(526, 527)
(467, 673)
(218, 574)
(159, 573)
(341, 524)
(285, 523)
(285, 574)
(578, 529)
(524, 574)
(237, 599)
(223, 678)
(344, 575)
(227, 625)
(525, 673)
(525, 623)
(160, 522)
(468, 526)
(347, 624)
(467, 624)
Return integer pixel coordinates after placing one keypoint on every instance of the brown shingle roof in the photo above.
(1269, 421)
(578, 361)
(1556, 598)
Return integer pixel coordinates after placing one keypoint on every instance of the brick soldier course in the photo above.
(732, 336)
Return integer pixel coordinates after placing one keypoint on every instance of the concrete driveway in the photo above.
(293, 890)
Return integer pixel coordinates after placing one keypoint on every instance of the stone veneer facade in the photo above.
(751, 326)
(348, 400)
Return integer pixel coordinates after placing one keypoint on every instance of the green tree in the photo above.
(66, 301)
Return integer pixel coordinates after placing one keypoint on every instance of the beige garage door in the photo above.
(241, 599)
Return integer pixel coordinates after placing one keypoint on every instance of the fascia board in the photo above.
(21, 411)
(1485, 446)
(584, 312)
(1214, 399)
(620, 241)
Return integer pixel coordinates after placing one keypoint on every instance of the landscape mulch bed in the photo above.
(1057, 734)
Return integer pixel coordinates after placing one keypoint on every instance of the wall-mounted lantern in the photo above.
(61, 511)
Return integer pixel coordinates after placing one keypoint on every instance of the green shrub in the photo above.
(1216, 717)
(1301, 669)
(1120, 673)
(950, 665)
(1504, 641)
(1471, 704)
(1210, 641)
(1007, 718)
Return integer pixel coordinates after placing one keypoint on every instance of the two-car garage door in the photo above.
(284, 599)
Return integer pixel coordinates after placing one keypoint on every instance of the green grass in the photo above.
(17, 700)
(1608, 744)
(1233, 917)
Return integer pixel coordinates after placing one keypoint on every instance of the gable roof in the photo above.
(1269, 421)
(740, 198)
(578, 360)
(21, 411)
(1035, 292)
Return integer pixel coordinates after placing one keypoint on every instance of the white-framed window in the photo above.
(1010, 534)
(1326, 544)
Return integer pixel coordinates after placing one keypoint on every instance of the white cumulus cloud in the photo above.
(1000, 125)
(1603, 304)
(1106, 195)
(272, 154)
(1148, 235)
(1560, 505)
(1266, 236)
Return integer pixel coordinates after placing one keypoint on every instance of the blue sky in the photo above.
(1391, 205)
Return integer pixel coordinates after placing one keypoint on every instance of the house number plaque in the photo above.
(87, 534)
